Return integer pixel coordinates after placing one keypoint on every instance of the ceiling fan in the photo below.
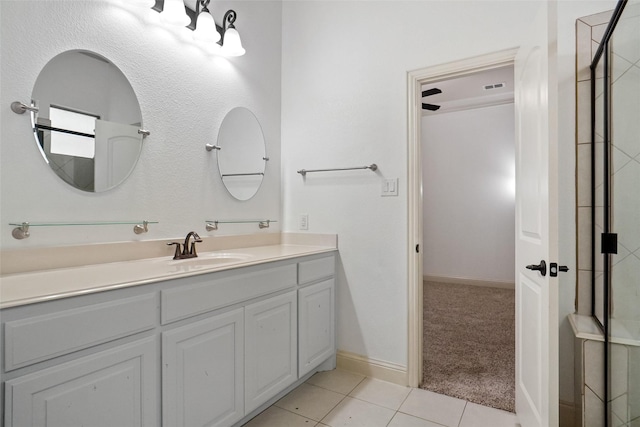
(430, 92)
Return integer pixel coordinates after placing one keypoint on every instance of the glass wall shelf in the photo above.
(262, 223)
(22, 228)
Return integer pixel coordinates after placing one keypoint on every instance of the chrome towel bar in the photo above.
(372, 166)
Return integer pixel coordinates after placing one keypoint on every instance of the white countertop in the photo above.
(38, 286)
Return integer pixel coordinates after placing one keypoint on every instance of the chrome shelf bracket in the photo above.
(141, 228)
(20, 108)
(21, 232)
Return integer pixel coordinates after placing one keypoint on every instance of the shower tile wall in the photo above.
(589, 31)
(625, 363)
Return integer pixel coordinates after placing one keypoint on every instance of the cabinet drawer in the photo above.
(309, 271)
(39, 338)
(211, 293)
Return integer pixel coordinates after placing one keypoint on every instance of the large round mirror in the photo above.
(242, 154)
(88, 124)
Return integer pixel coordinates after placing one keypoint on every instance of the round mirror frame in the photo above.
(88, 123)
(242, 153)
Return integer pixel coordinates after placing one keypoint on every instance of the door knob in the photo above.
(542, 267)
(554, 268)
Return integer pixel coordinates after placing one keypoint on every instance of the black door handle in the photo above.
(554, 268)
(542, 267)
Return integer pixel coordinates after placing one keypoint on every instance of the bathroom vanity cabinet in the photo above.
(211, 349)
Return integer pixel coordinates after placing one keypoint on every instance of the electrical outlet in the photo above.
(390, 187)
(304, 222)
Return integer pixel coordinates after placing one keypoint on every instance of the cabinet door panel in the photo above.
(113, 387)
(316, 334)
(270, 348)
(203, 372)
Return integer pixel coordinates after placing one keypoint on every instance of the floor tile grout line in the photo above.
(321, 422)
(326, 388)
(419, 417)
(405, 398)
(334, 407)
(325, 415)
(466, 402)
(374, 404)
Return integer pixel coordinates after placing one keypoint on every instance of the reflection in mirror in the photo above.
(88, 123)
(242, 156)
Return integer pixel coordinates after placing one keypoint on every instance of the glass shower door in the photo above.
(624, 175)
(615, 211)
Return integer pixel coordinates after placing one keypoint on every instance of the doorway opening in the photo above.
(468, 191)
(416, 81)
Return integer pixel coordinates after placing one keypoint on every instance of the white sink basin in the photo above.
(208, 259)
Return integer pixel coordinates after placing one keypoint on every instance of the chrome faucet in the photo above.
(187, 251)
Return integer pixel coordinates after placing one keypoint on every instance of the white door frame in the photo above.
(415, 80)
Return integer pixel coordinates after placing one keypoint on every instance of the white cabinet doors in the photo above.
(116, 387)
(202, 378)
(316, 334)
(270, 348)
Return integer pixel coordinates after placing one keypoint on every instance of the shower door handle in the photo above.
(542, 267)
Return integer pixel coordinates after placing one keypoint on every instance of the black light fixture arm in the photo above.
(193, 15)
(227, 22)
(202, 6)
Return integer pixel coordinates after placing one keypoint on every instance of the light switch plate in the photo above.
(390, 187)
(304, 222)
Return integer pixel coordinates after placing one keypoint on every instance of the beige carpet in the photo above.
(469, 347)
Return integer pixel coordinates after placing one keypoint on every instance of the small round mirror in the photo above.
(241, 154)
(88, 120)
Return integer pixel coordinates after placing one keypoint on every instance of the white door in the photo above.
(536, 225)
(117, 150)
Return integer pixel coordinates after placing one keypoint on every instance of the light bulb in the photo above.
(232, 46)
(174, 13)
(206, 31)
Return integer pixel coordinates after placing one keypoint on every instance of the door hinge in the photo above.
(609, 243)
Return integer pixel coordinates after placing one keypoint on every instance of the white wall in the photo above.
(184, 95)
(343, 103)
(468, 193)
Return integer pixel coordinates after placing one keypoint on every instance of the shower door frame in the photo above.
(602, 53)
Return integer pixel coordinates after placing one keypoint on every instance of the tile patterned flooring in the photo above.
(344, 399)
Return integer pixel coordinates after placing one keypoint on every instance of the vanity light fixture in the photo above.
(172, 12)
(204, 27)
(231, 44)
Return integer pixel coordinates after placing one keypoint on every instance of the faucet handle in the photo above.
(176, 255)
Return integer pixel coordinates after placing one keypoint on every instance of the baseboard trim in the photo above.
(373, 368)
(473, 282)
(567, 414)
